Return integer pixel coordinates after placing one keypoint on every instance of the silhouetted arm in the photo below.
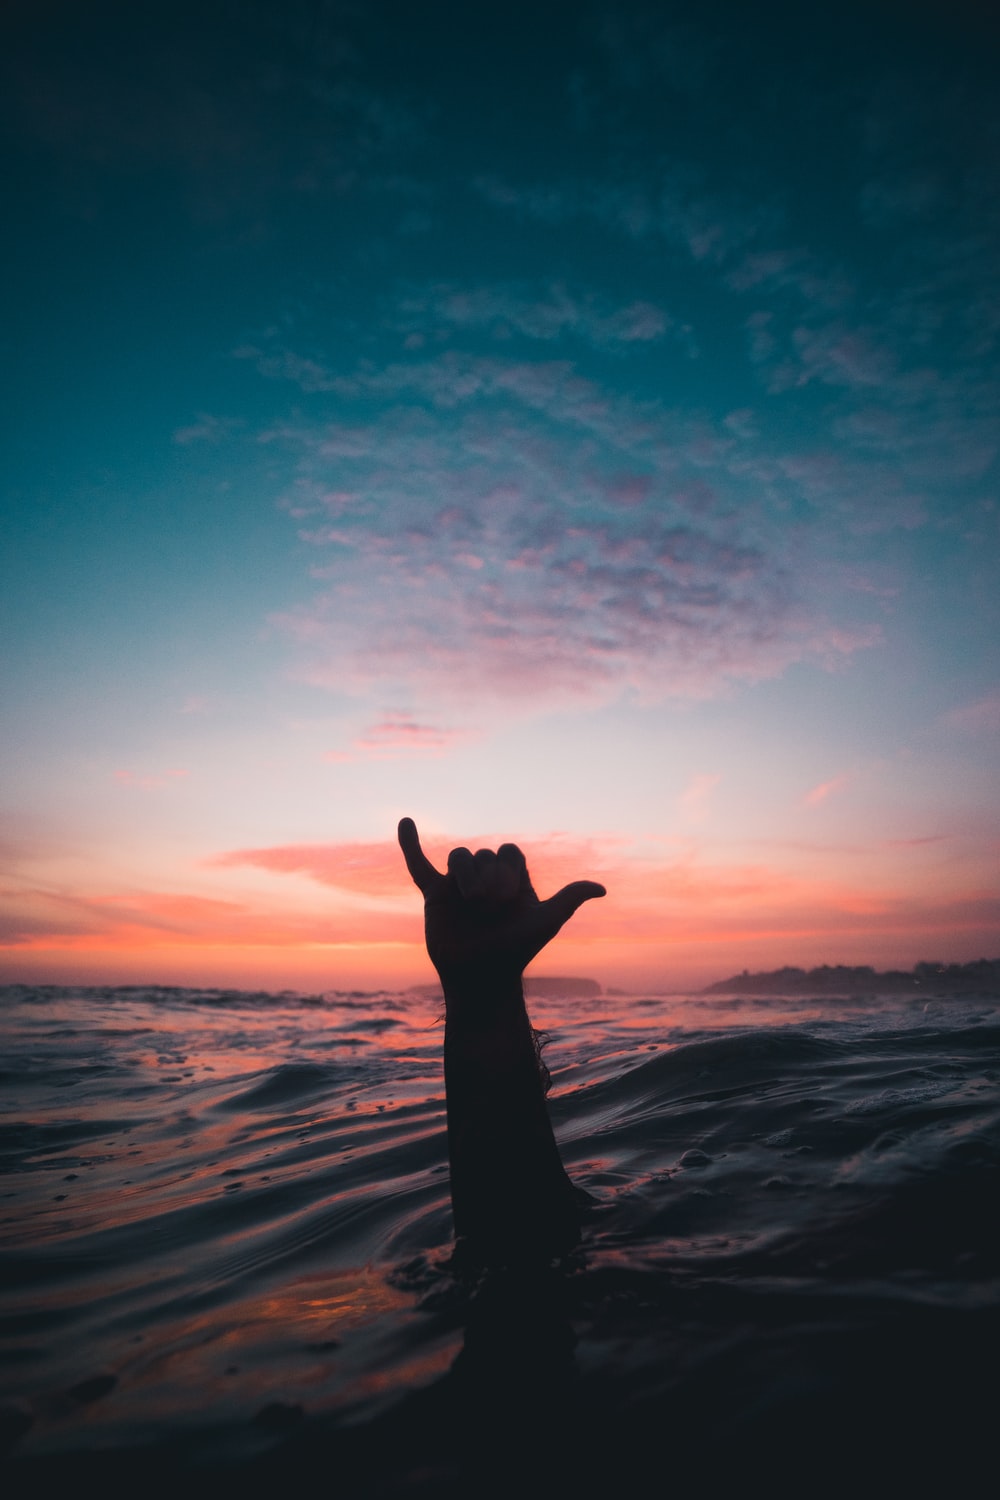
(511, 1197)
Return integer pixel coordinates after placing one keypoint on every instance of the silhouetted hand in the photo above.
(483, 921)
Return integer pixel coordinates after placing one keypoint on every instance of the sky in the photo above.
(569, 423)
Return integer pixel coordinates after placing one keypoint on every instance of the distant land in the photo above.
(983, 975)
(923, 979)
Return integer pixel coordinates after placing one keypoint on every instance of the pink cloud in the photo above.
(487, 533)
(582, 589)
(369, 869)
(137, 919)
(376, 868)
(826, 789)
(397, 736)
(655, 895)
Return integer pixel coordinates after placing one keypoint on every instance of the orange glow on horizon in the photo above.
(331, 916)
(345, 915)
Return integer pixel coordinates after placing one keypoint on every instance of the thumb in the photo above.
(560, 907)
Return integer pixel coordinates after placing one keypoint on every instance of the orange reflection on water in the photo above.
(323, 1342)
(319, 1308)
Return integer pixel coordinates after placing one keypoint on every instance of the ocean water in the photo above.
(225, 1244)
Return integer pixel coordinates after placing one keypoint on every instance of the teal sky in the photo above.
(576, 423)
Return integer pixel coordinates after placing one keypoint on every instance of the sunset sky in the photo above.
(569, 423)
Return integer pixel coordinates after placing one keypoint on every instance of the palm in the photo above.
(484, 915)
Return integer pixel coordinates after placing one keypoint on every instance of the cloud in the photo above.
(779, 270)
(664, 897)
(906, 362)
(284, 365)
(503, 311)
(398, 736)
(521, 504)
(826, 789)
(656, 890)
(584, 616)
(48, 918)
(207, 429)
(841, 355)
(498, 528)
(641, 875)
(369, 869)
(675, 206)
(375, 869)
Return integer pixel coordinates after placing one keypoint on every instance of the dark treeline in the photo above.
(927, 977)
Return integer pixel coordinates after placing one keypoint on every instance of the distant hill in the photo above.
(555, 987)
(923, 979)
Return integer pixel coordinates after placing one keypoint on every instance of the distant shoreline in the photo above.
(982, 976)
(924, 978)
(840, 979)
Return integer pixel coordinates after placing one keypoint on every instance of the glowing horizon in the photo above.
(676, 920)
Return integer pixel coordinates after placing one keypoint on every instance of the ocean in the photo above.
(225, 1245)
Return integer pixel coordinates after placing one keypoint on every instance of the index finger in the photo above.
(425, 877)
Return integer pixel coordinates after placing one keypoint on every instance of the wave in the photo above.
(205, 1179)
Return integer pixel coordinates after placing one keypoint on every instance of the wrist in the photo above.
(481, 984)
